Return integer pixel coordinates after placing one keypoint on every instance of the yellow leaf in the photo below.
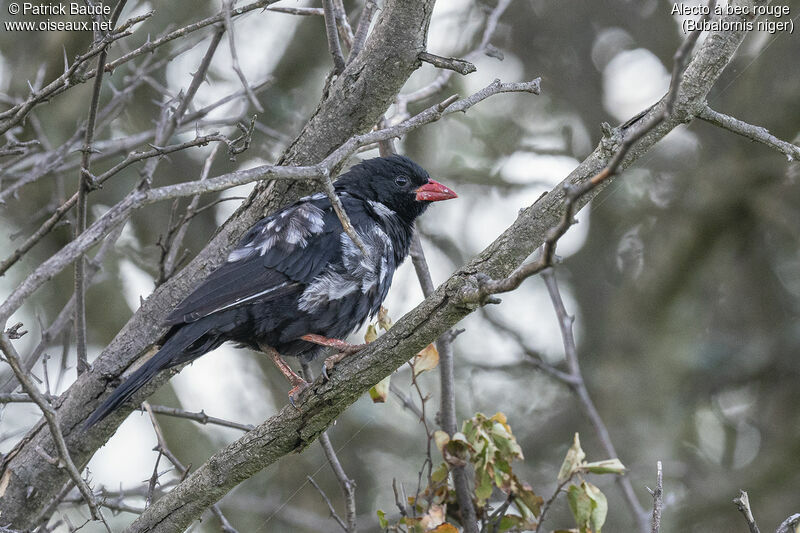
(445, 528)
(384, 320)
(380, 392)
(434, 518)
(440, 438)
(573, 460)
(500, 417)
(427, 359)
(371, 333)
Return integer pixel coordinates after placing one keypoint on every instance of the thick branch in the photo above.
(353, 104)
(291, 430)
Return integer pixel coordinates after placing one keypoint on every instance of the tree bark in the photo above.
(353, 103)
(291, 430)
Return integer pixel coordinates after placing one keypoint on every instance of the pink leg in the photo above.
(345, 349)
(340, 345)
(299, 384)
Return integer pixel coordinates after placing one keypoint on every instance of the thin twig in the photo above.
(200, 417)
(64, 317)
(163, 449)
(578, 386)
(658, 500)
(449, 420)
(168, 122)
(303, 11)
(743, 505)
(754, 133)
(462, 66)
(227, 7)
(13, 116)
(347, 485)
(444, 77)
(345, 31)
(549, 502)
(328, 503)
(130, 159)
(175, 234)
(84, 186)
(406, 401)
(51, 416)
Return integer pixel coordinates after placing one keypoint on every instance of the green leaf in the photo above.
(581, 506)
(572, 461)
(483, 487)
(609, 466)
(382, 519)
(440, 438)
(599, 506)
(440, 474)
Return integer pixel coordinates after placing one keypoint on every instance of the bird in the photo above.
(296, 282)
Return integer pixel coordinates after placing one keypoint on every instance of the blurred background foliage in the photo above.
(684, 274)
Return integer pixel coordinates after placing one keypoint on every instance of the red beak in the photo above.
(433, 191)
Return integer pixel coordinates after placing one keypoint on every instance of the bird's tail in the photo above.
(178, 349)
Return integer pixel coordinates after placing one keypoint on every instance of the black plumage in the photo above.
(297, 272)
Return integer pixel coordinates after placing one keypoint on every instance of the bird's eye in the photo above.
(401, 181)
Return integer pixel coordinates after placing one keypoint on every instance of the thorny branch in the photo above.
(327, 501)
(163, 449)
(131, 158)
(139, 198)
(16, 114)
(85, 184)
(227, 8)
(8, 382)
(486, 286)
(50, 415)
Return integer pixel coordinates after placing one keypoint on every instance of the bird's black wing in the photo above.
(279, 255)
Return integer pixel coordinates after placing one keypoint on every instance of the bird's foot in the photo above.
(297, 390)
(331, 361)
(342, 346)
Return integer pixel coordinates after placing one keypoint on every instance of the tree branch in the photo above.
(658, 500)
(388, 56)
(449, 420)
(85, 184)
(743, 505)
(51, 416)
(333, 37)
(754, 133)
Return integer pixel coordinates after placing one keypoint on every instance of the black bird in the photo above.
(296, 282)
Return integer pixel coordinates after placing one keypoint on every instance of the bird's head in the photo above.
(397, 182)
